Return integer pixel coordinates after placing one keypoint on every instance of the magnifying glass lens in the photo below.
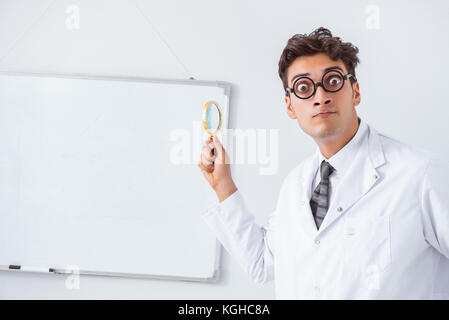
(212, 117)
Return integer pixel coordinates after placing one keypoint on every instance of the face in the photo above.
(342, 103)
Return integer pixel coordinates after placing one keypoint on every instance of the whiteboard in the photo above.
(98, 175)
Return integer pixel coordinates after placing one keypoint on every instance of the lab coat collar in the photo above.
(357, 181)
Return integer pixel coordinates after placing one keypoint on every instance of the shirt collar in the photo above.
(342, 160)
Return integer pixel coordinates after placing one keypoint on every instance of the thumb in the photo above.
(220, 151)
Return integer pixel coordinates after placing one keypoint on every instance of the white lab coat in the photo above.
(385, 235)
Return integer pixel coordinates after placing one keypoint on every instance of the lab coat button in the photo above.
(339, 209)
(376, 176)
(317, 241)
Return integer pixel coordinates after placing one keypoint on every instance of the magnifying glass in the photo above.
(212, 119)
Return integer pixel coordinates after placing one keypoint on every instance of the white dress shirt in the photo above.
(385, 234)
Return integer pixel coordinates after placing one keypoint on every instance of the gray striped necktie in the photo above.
(320, 197)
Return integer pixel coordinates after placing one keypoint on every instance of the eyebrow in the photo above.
(308, 74)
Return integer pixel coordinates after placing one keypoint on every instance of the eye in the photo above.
(334, 81)
(302, 87)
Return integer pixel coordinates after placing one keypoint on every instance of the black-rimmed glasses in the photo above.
(332, 81)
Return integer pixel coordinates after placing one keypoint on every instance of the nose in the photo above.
(320, 97)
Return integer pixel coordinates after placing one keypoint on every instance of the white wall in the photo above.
(403, 79)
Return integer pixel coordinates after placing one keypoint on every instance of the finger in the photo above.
(211, 146)
(217, 144)
(220, 152)
(205, 161)
(208, 152)
(203, 168)
(208, 157)
(209, 143)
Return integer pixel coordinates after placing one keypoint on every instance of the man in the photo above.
(364, 217)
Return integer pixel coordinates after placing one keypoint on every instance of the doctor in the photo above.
(364, 217)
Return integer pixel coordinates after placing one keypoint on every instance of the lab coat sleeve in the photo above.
(250, 244)
(435, 204)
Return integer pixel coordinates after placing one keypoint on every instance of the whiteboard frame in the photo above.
(83, 76)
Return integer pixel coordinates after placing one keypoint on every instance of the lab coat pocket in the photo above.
(367, 243)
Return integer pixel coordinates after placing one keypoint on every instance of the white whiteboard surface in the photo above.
(87, 182)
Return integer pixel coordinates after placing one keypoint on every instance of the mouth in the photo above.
(323, 115)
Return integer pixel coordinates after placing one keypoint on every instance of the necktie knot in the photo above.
(326, 169)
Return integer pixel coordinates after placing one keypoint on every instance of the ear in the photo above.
(356, 94)
(291, 113)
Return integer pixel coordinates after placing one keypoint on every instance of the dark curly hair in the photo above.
(319, 41)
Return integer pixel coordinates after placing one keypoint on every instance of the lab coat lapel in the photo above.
(304, 185)
(359, 179)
